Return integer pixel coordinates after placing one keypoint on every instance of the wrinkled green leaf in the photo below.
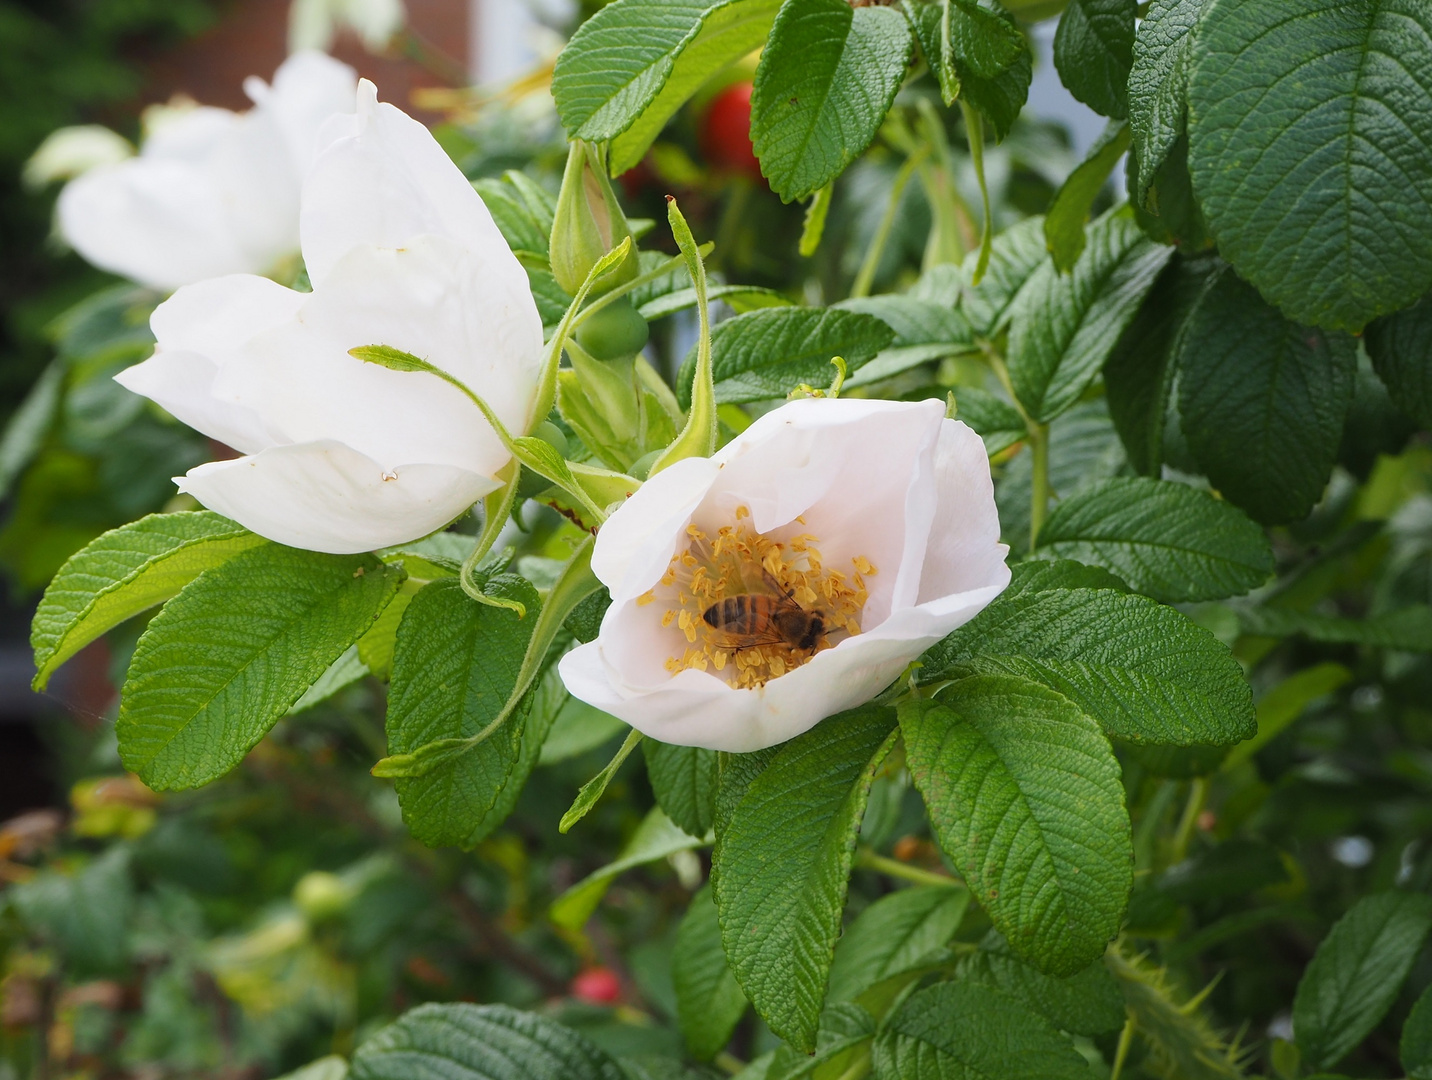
(656, 838)
(895, 934)
(1063, 327)
(783, 862)
(1086, 1003)
(1142, 670)
(1064, 222)
(1167, 540)
(1093, 52)
(124, 572)
(454, 664)
(1262, 401)
(709, 1001)
(962, 1030)
(479, 1042)
(1400, 347)
(683, 779)
(1356, 973)
(234, 650)
(766, 354)
(1158, 84)
(1025, 797)
(826, 80)
(1310, 134)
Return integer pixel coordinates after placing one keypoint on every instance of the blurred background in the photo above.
(250, 927)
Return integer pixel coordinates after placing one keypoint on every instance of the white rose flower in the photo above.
(344, 456)
(212, 191)
(792, 575)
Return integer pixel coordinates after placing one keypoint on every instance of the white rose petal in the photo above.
(891, 486)
(344, 456)
(212, 192)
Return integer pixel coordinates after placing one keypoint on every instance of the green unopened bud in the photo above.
(613, 331)
(589, 222)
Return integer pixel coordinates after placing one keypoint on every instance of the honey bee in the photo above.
(753, 619)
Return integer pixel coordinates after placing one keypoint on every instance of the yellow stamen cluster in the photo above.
(738, 560)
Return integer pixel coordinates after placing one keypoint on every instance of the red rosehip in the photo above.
(726, 132)
(598, 985)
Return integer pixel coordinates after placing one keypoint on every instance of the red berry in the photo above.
(598, 985)
(726, 132)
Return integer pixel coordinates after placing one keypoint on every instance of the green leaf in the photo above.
(1142, 670)
(709, 1001)
(1063, 327)
(578, 728)
(331, 1067)
(1233, 868)
(1024, 796)
(996, 420)
(1284, 703)
(1416, 1048)
(983, 40)
(683, 779)
(455, 663)
(1064, 222)
(768, 353)
(742, 298)
(1356, 973)
(724, 33)
(977, 47)
(1093, 52)
(925, 330)
(1158, 84)
(1262, 401)
(520, 227)
(547, 700)
(1170, 541)
(895, 934)
(596, 787)
(1016, 254)
(1086, 1003)
(479, 1042)
(1400, 347)
(617, 62)
(124, 572)
(963, 1030)
(1310, 132)
(1139, 374)
(842, 1047)
(783, 861)
(228, 656)
(1407, 628)
(655, 838)
(342, 673)
(827, 78)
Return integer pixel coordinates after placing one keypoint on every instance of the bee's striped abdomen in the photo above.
(745, 614)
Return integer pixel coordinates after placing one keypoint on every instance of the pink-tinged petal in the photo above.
(964, 551)
(326, 497)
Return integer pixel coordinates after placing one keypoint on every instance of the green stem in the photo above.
(1126, 1038)
(1197, 796)
(865, 278)
(496, 507)
(1039, 496)
(867, 859)
(674, 263)
(860, 1065)
(728, 1063)
(698, 437)
(974, 132)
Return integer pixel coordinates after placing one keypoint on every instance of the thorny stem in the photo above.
(871, 263)
(867, 859)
